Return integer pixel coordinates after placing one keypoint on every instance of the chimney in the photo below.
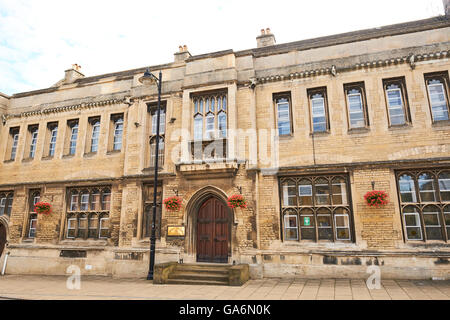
(182, 54)
(266, 39)
(73, 74)
(446, 7)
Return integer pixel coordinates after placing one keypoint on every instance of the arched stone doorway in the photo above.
(209, 235)
(213, 232)
(2, 238)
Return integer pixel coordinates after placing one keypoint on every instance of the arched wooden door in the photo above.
(2, 238)
(213, 232)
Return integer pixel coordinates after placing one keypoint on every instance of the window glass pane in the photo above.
(71, 225)
(307, 225)
(54, 134)
(104, 228)
(198, 128)
(318, 113)
(223, 124)
(74, 202)
(118, 132)
(95, 136)
(106, 200)
(395, 105)
(291, 227)
(289, 194)
(444, 186)
(82, 227)
(73, 139)
(432, 223)
(339, 190)
(407, 189)
(34, 135)
(324, 224)
(447, 220)
(342, 226)
(84, 205)
(438, 100)
(322, 192)
(209, 133)
(284, 121)
(14, 146)
(356, 111)
(412, 223)
(93, 226)
(426, 188)
(95, 200)
(305, 193)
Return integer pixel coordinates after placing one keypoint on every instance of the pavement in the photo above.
(105, 288)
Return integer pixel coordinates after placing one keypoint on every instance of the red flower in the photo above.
(236, 201)
(376, 198)
(43, 208)
(172, 203)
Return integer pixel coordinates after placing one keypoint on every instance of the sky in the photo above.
(39, 39)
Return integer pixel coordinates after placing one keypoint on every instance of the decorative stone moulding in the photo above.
(80, 106)
(365, 65)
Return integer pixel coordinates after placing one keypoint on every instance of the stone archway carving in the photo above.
(192, 209)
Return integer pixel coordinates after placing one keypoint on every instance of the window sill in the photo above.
(400, 127)
(47, 158)
(150, 169)
(90, 154)
(442, 123)
(319, 134)
(68, 156)
(27, 160)
(9, 161)
(358, 130)
(112, 152)
(285, 136)
(28, 240)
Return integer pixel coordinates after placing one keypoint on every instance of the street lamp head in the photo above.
(148, 78)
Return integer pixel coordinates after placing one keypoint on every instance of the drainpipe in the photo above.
(4, 263)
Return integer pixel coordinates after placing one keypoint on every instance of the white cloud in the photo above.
(40, 39)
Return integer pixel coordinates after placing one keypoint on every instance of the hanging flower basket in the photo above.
(237, 201)
(172, 204)
(376, 198)
(43, 208)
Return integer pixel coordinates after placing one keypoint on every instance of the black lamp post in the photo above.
(149, 79)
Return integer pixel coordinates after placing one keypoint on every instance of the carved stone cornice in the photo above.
(412, 60)
(79, 106)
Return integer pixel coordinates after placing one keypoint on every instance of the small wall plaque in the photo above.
(175, 231)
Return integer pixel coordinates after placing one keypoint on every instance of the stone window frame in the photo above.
(314, 211)
(90, 216)
(310, 93)
(70, 144)
(348, 87)
(116, 135)
(152, 111)
(12, 144)
(401, 83)
(34, 194)
(418, 205)
(32, 141)
(147, 202)
(51, 139)
(6, 202)
(276, 97)
(202, 107)
(444, 78)
(93, 122)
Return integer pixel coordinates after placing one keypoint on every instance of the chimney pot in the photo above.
(182, 54)
(266, 38)
(268, 31)
(263, 32)
(73, 74)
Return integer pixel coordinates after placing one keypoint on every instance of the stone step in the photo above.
(197, 282)
(194, 269)
(199, 276)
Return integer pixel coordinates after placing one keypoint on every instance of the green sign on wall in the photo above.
(307, 221)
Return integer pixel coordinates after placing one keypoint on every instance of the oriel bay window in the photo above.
(438, 93)
(6, 201)
(210, 116)
(356, 105)
(88, 213)
(316, 208)
(319, 110)
(425, 204)
(396, 101)
(283, 110)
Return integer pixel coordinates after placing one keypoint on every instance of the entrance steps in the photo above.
(201, 274)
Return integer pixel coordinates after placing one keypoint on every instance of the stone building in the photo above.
(302, 130)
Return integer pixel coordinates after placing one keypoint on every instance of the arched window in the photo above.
(223, 124)
(444, 186)
(73, 138)
(35, 197)
(95, 135)
(6, 201)
(438, 96)
(342, 224)
(74, 197)
(291, 225)
(82, 226)
(426, 187)
(339, 191)
(210, 122)
(307, 224)
(305, 192)
(289, 193)
(34, 136)
(210, 117)
(93, 225)
(407, 189)
(198, 127)
(322, 192)
(411, 219)
(95, 200)
(84, 200)
(324, 224)
(106, 200)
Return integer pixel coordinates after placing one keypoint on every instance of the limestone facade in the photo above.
(267, 146)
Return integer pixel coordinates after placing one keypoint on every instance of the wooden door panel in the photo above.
(213, 232)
